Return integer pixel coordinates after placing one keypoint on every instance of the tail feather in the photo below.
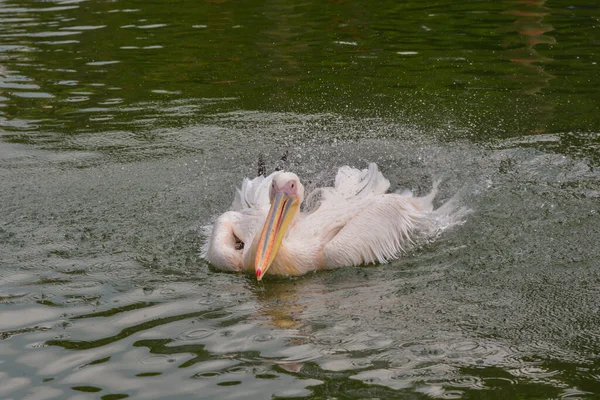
(254, 193)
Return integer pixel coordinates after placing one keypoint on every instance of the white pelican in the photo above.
(355, 222)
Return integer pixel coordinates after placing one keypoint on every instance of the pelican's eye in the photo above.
(293, 185)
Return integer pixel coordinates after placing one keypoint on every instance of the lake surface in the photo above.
(126, 126)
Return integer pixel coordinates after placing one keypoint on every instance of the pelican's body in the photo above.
(356, 222)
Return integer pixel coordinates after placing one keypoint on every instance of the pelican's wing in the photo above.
(376, 229)
(254, 193)
(353, 183)
(230, 236)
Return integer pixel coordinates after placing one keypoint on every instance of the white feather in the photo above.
(254, 193)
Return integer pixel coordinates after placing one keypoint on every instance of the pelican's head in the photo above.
(286, 194)
(287, 183)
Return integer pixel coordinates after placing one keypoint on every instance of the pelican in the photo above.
(355, 222)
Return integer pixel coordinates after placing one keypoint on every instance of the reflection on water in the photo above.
(341, 349)
(531, 31)
(532, 78)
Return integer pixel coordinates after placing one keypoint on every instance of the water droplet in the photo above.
(154, 360)
(263, 338)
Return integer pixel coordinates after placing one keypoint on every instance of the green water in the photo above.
(495, 68)
(126, 126)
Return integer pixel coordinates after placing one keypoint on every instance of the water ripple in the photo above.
(195, 334)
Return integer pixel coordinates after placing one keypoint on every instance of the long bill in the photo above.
(283, 209)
